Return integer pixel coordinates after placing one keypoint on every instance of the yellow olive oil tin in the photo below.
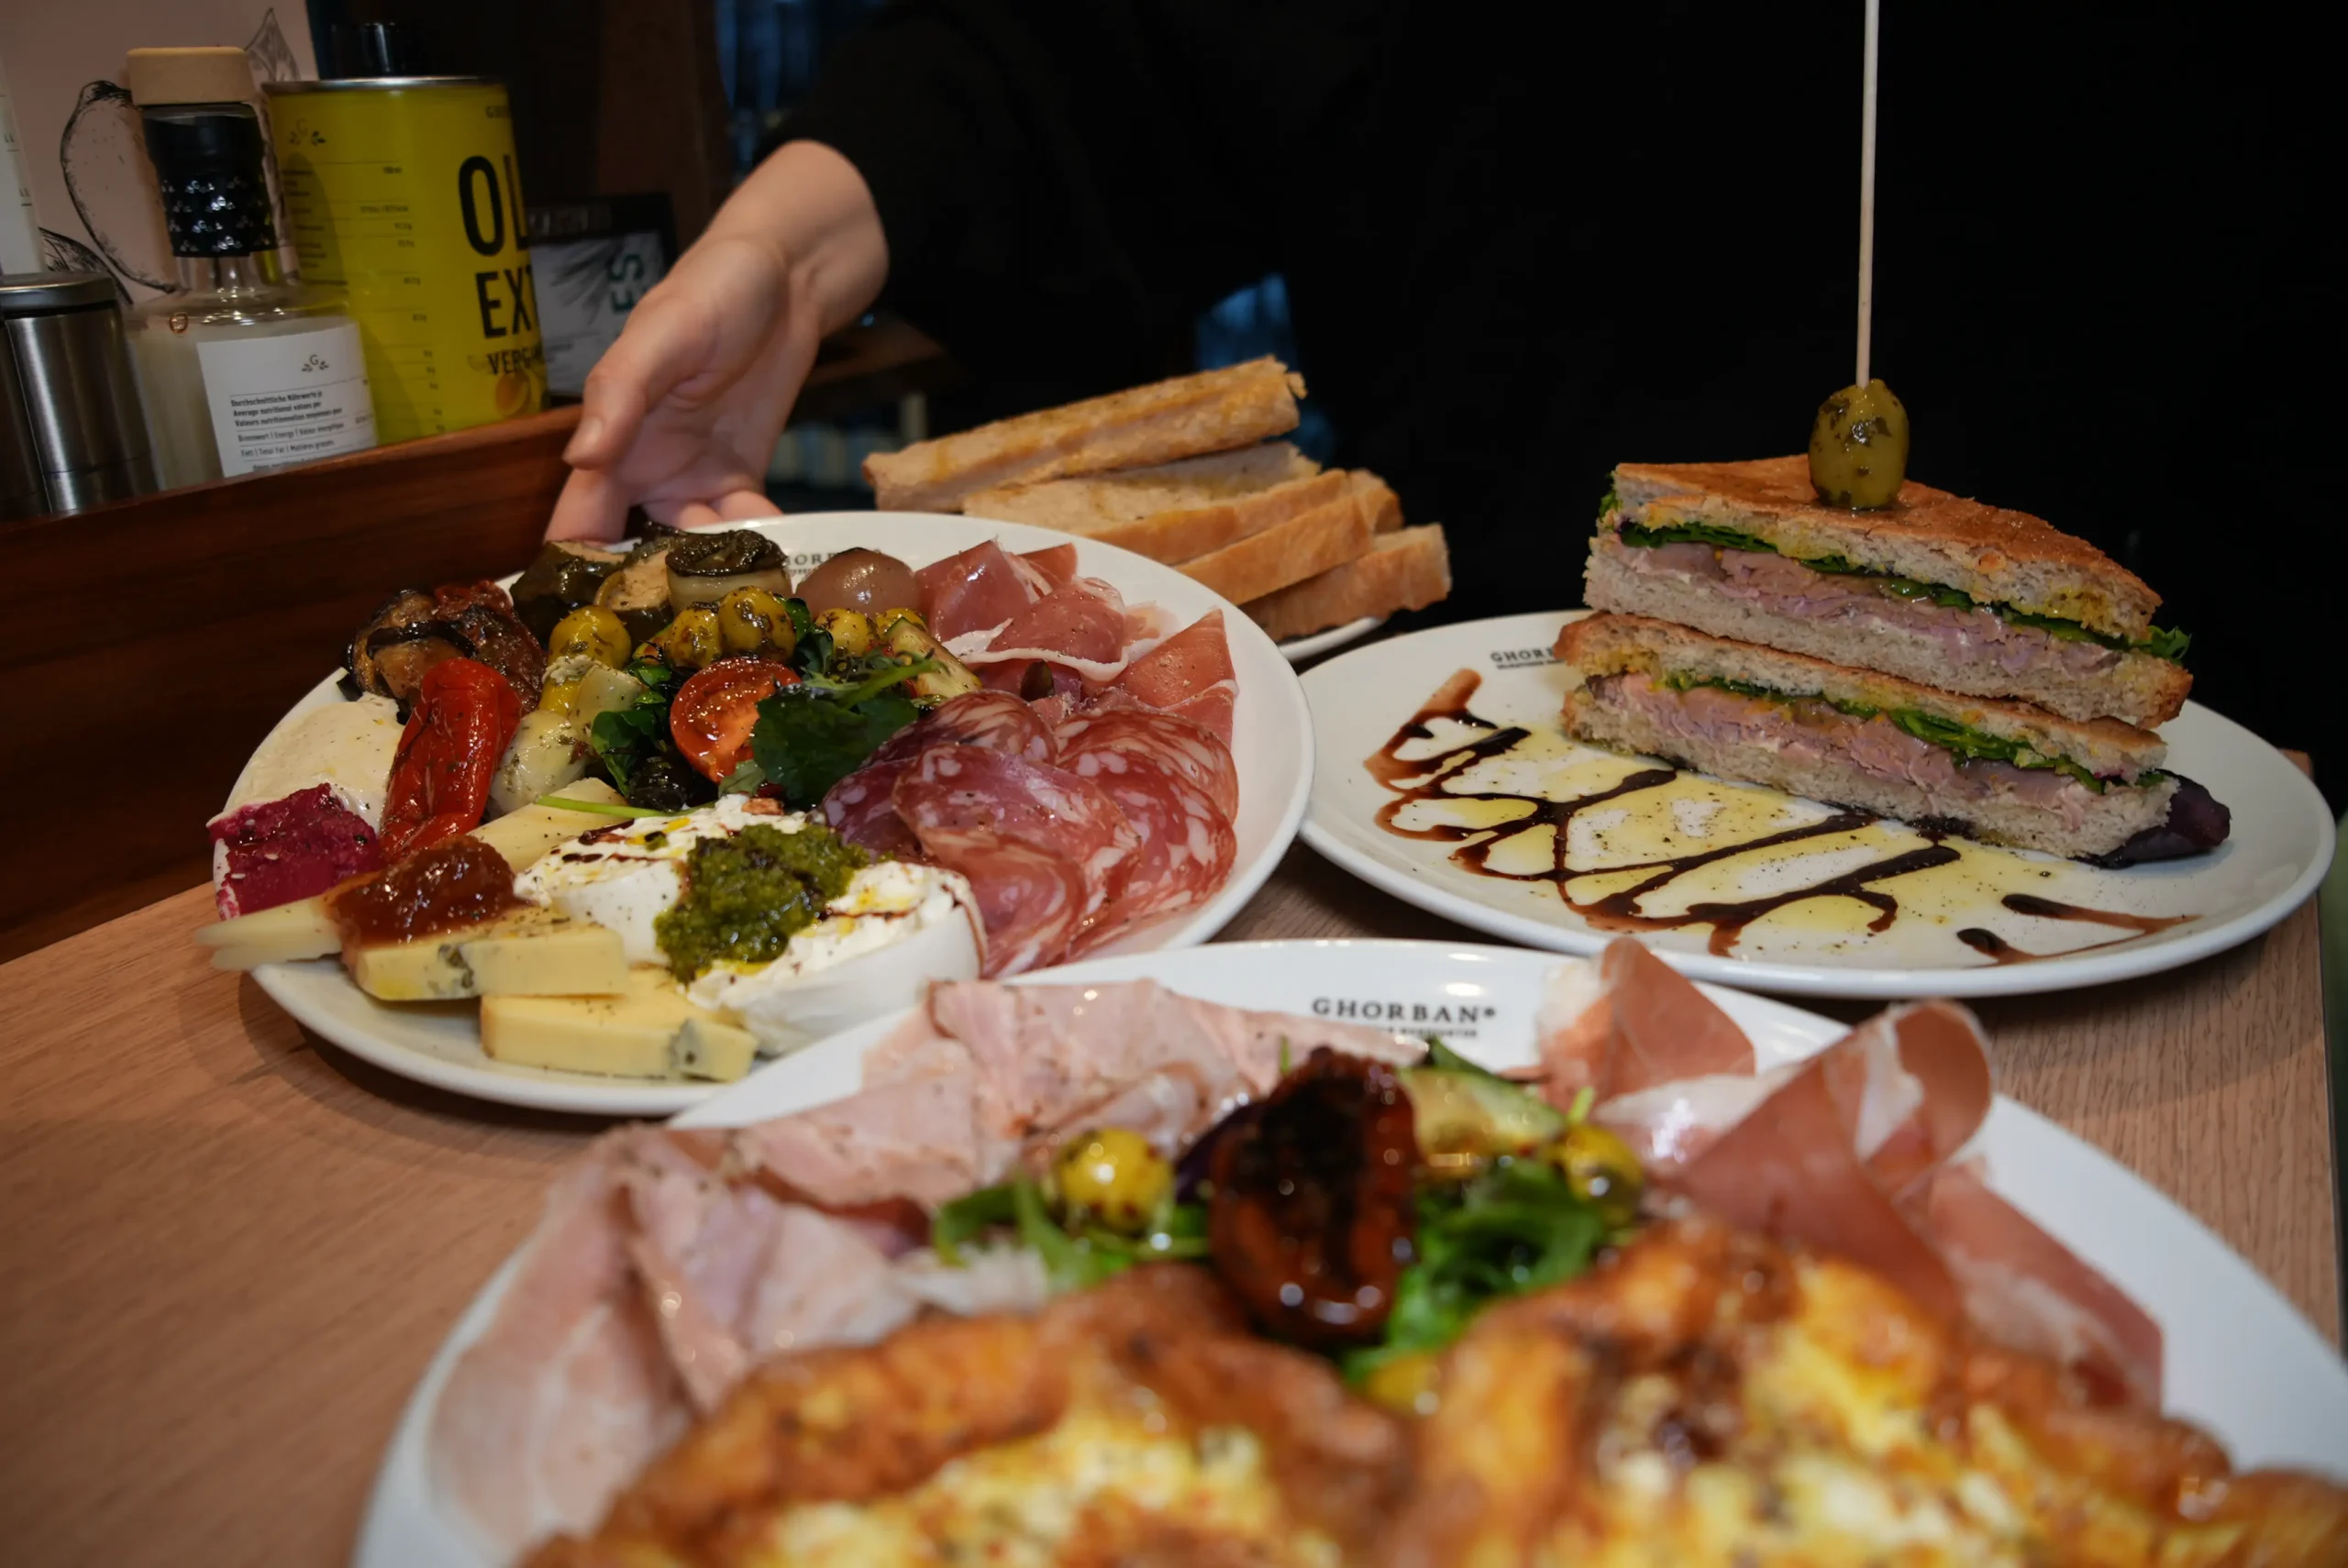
(403, 197)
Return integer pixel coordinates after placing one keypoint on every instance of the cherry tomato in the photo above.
(713, 714)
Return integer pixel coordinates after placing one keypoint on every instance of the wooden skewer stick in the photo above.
(1867, 193)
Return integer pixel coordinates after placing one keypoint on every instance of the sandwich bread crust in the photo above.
(1994, 554)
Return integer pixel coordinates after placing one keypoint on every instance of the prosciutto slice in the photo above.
(982, 587)
(1078, 628)
(1044, 849)
(1190, 673)
(1854, 1152)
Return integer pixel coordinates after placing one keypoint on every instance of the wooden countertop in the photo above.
(230, 1249)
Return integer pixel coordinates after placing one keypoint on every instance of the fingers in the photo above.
(743, 506)
(657, 349)
(590, 507)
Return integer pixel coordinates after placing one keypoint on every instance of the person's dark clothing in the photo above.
(1523, 244)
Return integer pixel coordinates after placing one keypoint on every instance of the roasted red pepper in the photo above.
(1314, 1212)
(464, 718)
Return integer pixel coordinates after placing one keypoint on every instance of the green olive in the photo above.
(593, 631)
(693, 639)
(755, 621)
(1858, 448)
(1407, 1385)
(1113, 1176)
(1601, 1169)
(851, 631)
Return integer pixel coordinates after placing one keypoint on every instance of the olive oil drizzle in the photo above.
(1421, 779)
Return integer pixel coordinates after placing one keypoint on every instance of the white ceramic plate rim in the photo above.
(1298, 649)
(1394, 873)
(2206, 1296)
(1268, 685)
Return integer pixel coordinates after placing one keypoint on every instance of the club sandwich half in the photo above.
(2004, 772)
(1935, 589)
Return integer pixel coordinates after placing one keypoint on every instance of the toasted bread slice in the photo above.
(1173, 511)
(1409, 570)
(1385, 506)
(2003, 772)
(1180, 418)
(1996, 556)
(1780, 603)
(1305, 546)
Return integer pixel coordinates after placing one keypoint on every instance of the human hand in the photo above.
(682, 412)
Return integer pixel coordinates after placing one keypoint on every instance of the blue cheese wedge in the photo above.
(651, 1029)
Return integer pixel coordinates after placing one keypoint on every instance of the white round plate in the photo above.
(2281, 843)
(439, 1044)
(1298, 649)
(2241, 1362)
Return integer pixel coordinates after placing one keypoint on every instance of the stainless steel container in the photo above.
(73, 434)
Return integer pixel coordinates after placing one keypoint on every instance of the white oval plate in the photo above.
(1298, 649)
(439, 1044)
(2241, 1362)
(2281, 843)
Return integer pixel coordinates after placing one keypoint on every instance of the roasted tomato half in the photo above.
(713, 714)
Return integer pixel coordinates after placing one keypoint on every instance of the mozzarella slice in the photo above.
(348, 745)
(894, 928)
(897, 927)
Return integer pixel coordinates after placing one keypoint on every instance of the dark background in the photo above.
(1511, 248)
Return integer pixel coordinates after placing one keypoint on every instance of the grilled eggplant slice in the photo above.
(398, 657)
(564, 577)
(704, 567)
(404, 611)
(639, 592)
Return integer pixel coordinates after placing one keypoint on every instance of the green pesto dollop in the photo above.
(747, 896)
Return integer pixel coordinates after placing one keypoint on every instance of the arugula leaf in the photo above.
(1968, 743)
(970, 1216)
(623, 739)
(2160, 643)
(1516, 1227)
(812, 735)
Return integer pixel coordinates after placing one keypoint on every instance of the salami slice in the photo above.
(1045, 850)
(862, 808)
(1117, 726)
(1187, 847)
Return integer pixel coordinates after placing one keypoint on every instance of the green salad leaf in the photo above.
(624, 739)
(2161, 643)
(812, 735)
(1514, 1227)
(1075, 1258)
(1966, 742)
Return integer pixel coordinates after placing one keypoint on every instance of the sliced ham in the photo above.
(982, 587)
(567, 1395)
(1190, 673)
(1629, 1021)
(1043, 848)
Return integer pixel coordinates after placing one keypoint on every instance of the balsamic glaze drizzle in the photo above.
(1619, 910)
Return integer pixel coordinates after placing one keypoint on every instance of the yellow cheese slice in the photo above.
(534, 952)
(522, 836)
(281, 936)
(651, 1030)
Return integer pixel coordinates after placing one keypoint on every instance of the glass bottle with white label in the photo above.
(241, 368)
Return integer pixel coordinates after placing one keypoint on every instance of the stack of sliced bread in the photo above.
(1185, 471)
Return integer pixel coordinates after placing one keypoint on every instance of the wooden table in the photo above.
(228, 1250)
